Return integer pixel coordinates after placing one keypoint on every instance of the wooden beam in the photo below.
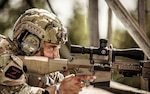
(132, 26)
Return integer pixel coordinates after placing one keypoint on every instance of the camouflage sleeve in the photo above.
(56, 76)
(43, 81)
(26, 89)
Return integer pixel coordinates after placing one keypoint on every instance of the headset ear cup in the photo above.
(30, 44)
(21, 33)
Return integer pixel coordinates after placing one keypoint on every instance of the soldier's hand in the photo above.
(74, 84)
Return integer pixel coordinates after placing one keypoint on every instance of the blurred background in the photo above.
(74, 15)
(87, 21)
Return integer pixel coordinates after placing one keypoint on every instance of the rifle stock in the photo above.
(44, 65)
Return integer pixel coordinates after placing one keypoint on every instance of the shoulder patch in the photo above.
(13, 72)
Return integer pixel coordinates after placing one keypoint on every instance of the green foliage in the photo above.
(77, 27)
(39, 3)
(10, 13)
(121, 39)
(77, 30)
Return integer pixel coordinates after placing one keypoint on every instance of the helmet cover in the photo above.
(36, 26)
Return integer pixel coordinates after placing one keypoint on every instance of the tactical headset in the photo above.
(36, 26)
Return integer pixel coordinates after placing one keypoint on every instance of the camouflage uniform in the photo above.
(31, 29)
(12, 75)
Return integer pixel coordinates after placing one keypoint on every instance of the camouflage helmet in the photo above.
(36, 26)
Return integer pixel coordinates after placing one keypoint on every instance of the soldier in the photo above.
(40, 33)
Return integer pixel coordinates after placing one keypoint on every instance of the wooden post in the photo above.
(109, 34)
(93, 23)
(141, 14)
(142, 23)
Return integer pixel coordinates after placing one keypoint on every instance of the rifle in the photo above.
(107, 63)
(102, 67)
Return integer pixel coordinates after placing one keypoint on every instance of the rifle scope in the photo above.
(133, 53)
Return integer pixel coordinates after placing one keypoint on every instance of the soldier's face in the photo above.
(50, 50)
